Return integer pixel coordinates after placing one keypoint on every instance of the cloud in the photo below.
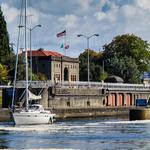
(10, 13)
(84, 4)
(109, 18)
(144, 4)
(70, 20)
(33, 16)
(100, 15)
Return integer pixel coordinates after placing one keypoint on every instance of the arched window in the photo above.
(66, 74)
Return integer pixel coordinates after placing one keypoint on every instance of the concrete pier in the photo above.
(80, 99)
(139, 113)
(5, 114)
(79, 113)
(95, 112)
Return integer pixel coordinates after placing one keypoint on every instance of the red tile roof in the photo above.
(44, 53)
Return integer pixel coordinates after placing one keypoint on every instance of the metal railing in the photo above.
(5, 86)
(93, 85)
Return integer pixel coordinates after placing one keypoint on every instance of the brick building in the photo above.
(55, 66)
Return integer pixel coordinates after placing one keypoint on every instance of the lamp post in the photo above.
(30, 30)
(88, 38)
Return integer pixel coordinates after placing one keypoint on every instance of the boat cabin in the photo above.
(36, 107)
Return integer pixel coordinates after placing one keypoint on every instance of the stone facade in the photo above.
(55, 66)
(64, 69)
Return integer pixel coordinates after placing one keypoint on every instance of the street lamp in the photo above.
(31, 29)
(88, 37)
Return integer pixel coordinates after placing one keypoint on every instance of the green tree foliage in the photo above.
(125, 68)
(41, 77)
(3, 74)
(7, 56)
(5, 50)
(95, 66)
(127, 56)
(35, 77)
(83, 66)
(103, 76)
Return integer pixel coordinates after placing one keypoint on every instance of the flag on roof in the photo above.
(67, 46)
(63, 33)
(62, 45)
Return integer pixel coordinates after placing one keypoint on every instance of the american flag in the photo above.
(67, 46)
(63, 33)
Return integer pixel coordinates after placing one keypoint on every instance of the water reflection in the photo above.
(4, 141)
(78, 134)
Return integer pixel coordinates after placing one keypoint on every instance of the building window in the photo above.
(68, 104)
(103, 101)
(66, 74)
(73, 78)
(57, 77)
(88, 103)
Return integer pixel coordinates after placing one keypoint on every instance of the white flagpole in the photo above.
(65, 42)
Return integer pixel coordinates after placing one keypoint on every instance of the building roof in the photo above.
(44, 53)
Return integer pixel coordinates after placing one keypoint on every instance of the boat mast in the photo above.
(26, 57)
(16, 64)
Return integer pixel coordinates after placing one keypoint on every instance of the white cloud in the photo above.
(70, 20)
(10, 13)
(145, 4)
(128, 11)
(32, 16)
(84, 4)
(100, 15)
(106, 17)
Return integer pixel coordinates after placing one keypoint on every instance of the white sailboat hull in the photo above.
(30, 118)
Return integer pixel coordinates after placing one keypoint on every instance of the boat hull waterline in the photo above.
(30, 118)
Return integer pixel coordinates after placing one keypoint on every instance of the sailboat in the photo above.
(31, 113)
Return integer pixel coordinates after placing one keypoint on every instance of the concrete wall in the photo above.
(125, 98)
(87, 101)
(76, 98)
(44, 100)
(70, 102)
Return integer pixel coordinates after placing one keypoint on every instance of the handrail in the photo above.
(78, 84)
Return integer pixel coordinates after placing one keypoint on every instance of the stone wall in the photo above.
(77, 98)
(69, 102)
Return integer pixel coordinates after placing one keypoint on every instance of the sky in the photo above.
(108, 18)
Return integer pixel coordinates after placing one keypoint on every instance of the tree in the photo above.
(5, 50)
(83, 66)
(103, 76)
(3, 74)
(95, 65)
(41, 77)
(127, 56)
(7, 56)
(125, 68)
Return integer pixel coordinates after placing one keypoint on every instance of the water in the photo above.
(86, 134)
